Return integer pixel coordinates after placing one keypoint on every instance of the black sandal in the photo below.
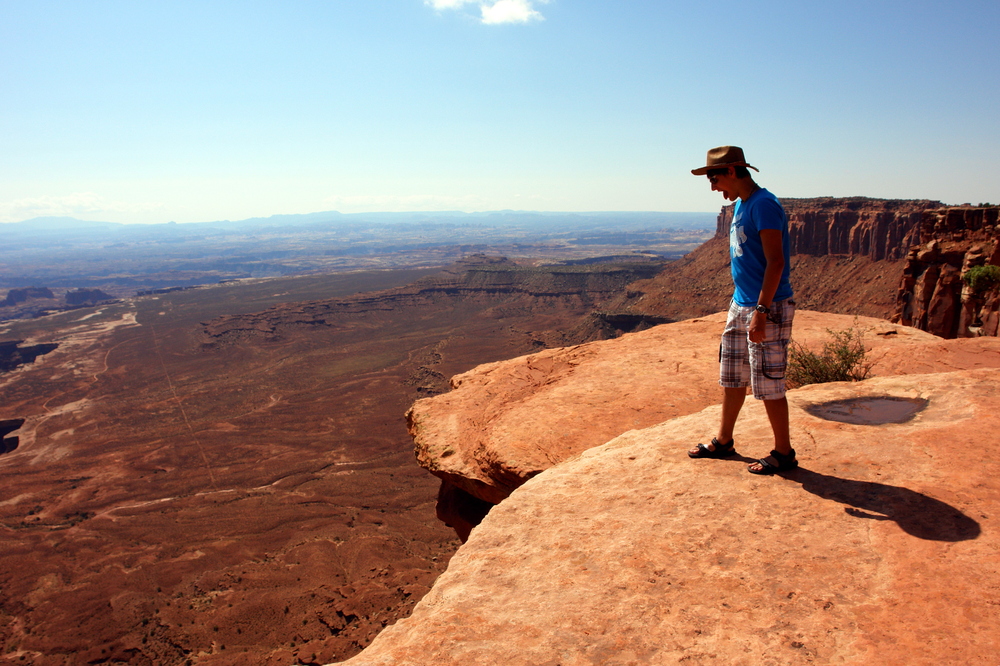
(786, 462)
(721, 450)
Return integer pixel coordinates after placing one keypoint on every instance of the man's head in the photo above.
(727, 170)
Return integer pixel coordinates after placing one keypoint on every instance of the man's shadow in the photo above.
(917, 514)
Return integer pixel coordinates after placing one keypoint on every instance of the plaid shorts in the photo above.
(758, 365)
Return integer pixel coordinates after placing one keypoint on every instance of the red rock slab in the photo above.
(880, 549)
(505, 422)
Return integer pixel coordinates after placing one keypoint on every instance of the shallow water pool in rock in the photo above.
(869, 410)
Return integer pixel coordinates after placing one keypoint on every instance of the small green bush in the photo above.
(982, 278)
(843, 359)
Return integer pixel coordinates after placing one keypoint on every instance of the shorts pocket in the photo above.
(774, 360)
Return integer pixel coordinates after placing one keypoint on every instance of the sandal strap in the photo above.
(783, 458)
(765, 465)
(720, 445)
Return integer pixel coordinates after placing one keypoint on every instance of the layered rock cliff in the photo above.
(932, 295)
(875, 257)
(847, 257)
(15, 296)
(879, 229)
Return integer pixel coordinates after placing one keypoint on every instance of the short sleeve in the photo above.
(768, 214)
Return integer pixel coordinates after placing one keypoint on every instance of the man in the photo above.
(754, 346)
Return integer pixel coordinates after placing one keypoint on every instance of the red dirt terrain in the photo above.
(209, 477)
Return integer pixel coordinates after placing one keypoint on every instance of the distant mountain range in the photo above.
(528, 220)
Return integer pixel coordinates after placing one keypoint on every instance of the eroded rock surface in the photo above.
(505, 422)
(932, 295)
(880, 549)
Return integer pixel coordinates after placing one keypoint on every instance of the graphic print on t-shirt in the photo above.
(736, 239)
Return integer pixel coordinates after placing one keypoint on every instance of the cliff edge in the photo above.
(877, 550)
(503, 423)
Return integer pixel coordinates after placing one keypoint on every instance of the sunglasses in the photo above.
(714, 174)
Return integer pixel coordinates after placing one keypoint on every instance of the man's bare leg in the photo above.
(732, 403)
(777, 415)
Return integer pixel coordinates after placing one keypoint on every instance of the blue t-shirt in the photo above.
(761, 211)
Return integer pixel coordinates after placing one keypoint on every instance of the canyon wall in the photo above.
(932, 295)
(848, 256)
(930, 245)
(855, 226)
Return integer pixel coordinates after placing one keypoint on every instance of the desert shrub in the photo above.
(843, 359)
(982, 278)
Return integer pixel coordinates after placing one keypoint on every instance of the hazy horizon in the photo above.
(418, 215)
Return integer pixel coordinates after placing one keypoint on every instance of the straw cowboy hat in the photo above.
(721, 157)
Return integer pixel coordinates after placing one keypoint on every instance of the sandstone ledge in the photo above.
(880, 549)
(505, 422)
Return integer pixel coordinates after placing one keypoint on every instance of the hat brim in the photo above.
(705, 169)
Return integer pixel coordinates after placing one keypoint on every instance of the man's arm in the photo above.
(774, 255)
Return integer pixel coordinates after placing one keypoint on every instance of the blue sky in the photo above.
(194, 111)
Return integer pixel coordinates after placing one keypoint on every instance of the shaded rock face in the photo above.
(932, 295)
(86, 296)
(14, 354)
(504, 423)
(7, 426)
(880, 548)
(20, 295)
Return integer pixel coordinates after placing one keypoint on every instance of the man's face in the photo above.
(724, 183)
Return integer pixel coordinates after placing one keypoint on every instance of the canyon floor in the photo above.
(209, 476)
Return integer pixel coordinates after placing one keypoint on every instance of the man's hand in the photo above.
(758, 327)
